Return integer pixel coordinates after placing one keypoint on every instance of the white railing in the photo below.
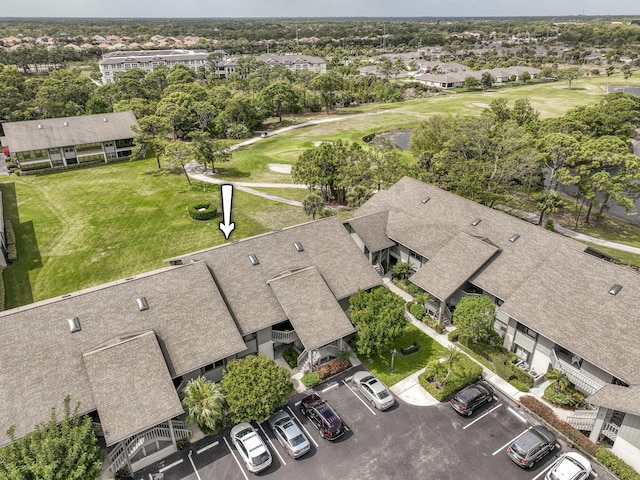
(302, 358)
(127, 449)
(574, 375)
(316, 355)
(583, 419)
(289, 336)
(610, 430)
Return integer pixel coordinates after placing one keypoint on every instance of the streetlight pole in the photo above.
(393, 357)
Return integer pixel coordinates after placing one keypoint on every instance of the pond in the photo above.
(398, 137)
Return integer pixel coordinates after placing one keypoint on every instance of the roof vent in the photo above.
(39, 125)
(254, 260)
(514, 237)
(615, 289)
(74, 324)
(299, 247)
(476, 221)
(66, 124)
(142, 303)
(426, 199)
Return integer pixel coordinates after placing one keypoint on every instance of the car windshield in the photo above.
(295, 441)
(258, 459)
(383, 394)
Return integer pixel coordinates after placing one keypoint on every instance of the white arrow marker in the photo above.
(227, 197)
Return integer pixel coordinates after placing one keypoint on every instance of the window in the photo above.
(527, 331)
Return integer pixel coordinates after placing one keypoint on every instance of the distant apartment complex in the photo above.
(293, 62)
(68, 141)
(149, 60)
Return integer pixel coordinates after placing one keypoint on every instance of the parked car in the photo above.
(251, 448)
(530, 447)
(289, 434)
(474, 396)
(374, 390)
(570, 466)
(326, 420)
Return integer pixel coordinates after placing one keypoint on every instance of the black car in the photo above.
(468, 399)
(530, 447)
(326, 420)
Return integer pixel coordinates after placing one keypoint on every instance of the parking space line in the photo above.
(193, 464)
(358, 397)
(207, 447)
(236, 459)
(481, 416)
(330, 387)
(522, 419)
(273, 447)
(303, 427)
(510, 442)
(171, 465)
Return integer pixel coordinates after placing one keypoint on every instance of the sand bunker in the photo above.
(279, 167)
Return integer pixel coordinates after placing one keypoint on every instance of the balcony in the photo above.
(284, 336)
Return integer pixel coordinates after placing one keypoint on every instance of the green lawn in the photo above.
(81, 228)
(404, 365)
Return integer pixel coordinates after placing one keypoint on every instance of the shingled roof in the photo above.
(68, 131)
(372, 230)
(326, 245)
(40, 355)
(617, 397)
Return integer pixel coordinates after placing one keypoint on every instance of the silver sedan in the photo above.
(289, 434)
(374, 390)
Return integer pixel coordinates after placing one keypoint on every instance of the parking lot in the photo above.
(405, 441)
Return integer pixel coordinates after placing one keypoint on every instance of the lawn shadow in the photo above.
(231, 172)
(18, 289)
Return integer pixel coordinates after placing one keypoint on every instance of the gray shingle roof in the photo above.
(372, 230)
(27, 135)
(131, 386)
(617, 397)
(327, 246)
(567, 299)
(38, 353)
(453, 265)
(311, 308)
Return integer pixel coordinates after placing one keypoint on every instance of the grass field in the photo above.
(81, 228)
(550, 99)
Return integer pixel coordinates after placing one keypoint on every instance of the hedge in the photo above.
(417, 311)
(10, 238)
(203, 211)
(291, 357)
(622, 469)
(311, 379)
(1, 289)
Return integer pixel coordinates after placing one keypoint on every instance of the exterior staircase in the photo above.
(123, 453)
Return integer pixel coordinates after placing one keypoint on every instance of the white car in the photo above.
(251, 447)
(374, 390)
(570, 466)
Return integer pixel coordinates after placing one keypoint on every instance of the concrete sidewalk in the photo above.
(409, 389)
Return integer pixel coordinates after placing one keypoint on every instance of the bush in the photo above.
(183, 443)
(545, 413)
(465, 371)
(334, 367)
(311, 379)
(453, 336)
(203, 211)
(564, 397)
(417, 311)
(291, 357)
(10, 239)
(622, 469)
(523, 387)
(12, 254)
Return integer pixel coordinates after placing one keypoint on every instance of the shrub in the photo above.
(523, 387)
(622, 469)
(183, 443)
(324, 371)
(417, 311)
(464, 372)
(12, 253)
(203, 211)
(414, 290)
(550, 225)
(453, 336)
(409, 349)
(545, 413)
(10, 239)
(311, 379)
(291, 357)
(338, 365)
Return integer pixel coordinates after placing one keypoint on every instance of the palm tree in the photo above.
(204, 403)
(434, 371)
(561, 382)
(403, 270)
(449, 359)
(549, 201)
(313, 204)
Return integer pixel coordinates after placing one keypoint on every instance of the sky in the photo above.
(312, 8)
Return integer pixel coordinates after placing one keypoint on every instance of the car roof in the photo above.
(469, 393)
(376, 385)
(530, 439)
(567, 467)
(544, 433)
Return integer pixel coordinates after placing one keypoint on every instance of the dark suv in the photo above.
(531, 446)
(323, 417)
(468, 399)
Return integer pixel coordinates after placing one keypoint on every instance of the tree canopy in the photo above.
(254, 386)
(379, 318)
(62, 449)
(474, 317)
